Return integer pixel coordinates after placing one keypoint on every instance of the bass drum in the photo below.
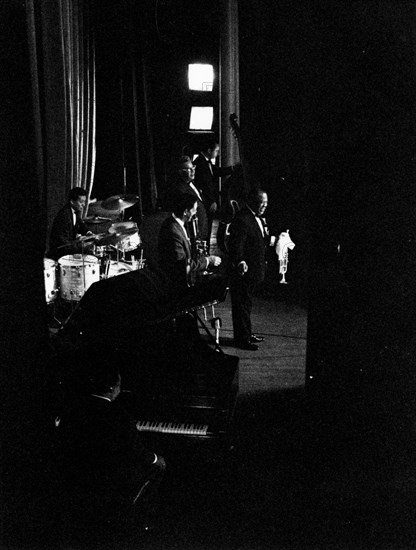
(51, 283)
(117, 268)
(77, 274)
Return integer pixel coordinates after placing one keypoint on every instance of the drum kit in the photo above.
(103, 255)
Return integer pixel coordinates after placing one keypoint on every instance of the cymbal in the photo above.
(108, 239)
(96, 219)
(127, 232)
(96, 209)
(120, 202)
(113, 238)
(120, 227)
(83, 239)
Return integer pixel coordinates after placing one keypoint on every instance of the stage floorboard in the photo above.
(279, 362)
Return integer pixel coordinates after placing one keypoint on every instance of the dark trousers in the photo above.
(241, 304)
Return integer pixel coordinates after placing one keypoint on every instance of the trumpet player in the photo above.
(249, 237)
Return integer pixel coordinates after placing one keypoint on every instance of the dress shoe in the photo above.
(255, 338)
(248, 346)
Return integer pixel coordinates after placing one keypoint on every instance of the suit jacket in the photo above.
(63, 231)
(175, 254)
(206, 178)
(178, 187)
(246, 243)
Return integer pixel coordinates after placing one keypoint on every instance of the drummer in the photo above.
(68, 227)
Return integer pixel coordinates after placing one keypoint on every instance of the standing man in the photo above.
(68, 225)
(174, 247)
(182, 183)
(247, 249)
(206, 178)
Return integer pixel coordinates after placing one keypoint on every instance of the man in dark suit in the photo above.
(68, 225)
(175, 257)
(247, 249)
(109, 473)
(183, 182)
(206, 178)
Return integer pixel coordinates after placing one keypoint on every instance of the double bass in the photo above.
(238, 186)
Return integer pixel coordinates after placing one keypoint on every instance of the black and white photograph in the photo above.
(208, 274)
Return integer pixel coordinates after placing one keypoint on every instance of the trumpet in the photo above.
(283, 244)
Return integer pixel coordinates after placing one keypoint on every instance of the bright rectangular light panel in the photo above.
(201, 118)
(201, 77)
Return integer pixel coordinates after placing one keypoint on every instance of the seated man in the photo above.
(68, 225)
(106, 467)
(174, 248)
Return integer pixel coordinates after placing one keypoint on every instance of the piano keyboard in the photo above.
(172, 427)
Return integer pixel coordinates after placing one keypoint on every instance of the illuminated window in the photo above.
(201, 118)
(201, 77)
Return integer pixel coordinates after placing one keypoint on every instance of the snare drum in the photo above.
(77, 274)
(49, 274)
(129, 242)
(117, 268)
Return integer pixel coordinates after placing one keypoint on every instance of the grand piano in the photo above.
(184, 385)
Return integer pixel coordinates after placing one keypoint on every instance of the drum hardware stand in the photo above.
(55, 318)
(205, 312)
(216, 324)
(107, 265)
(83, 266)
(107, 268)
(65, 321)
(62, 324)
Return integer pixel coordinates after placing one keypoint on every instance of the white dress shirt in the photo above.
(192, 186)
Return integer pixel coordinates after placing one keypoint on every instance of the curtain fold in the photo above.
(65, 69)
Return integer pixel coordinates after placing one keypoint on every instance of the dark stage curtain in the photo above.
(125, 154)
(23, 327)
(63, 82)
(46, 144)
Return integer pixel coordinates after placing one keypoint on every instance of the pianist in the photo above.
(174, 249)
(105, 459)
